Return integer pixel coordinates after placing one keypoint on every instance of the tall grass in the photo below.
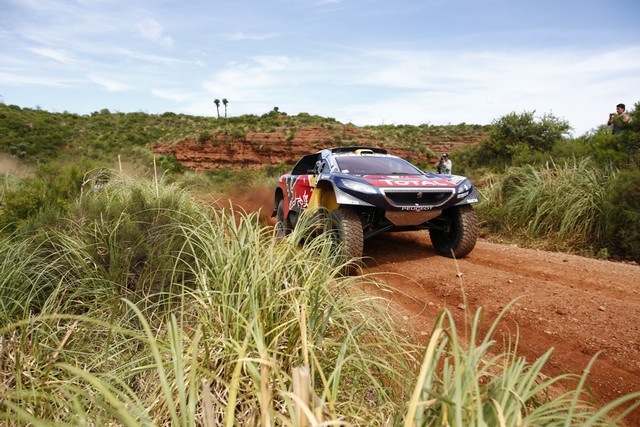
(563, 204)
(474, 384)
(142, 307)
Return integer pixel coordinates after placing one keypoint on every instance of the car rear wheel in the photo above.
(344, 228)
(457, 233)
(283, 225)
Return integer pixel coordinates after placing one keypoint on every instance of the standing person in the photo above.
(617, 119)
(444, 164)
(439, 164)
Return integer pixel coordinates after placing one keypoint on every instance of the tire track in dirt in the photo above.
(578, 306)
(607, 280)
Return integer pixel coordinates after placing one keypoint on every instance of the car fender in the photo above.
(323, 196)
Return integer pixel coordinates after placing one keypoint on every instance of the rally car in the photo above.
(363, 191)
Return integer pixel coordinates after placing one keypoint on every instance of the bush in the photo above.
(622, 213)
(20, 201)
(520, 135)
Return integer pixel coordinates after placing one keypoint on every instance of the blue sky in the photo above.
(368, 62)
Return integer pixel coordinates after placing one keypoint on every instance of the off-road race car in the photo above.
(359, 192)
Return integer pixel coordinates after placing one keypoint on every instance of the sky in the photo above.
(366, 62)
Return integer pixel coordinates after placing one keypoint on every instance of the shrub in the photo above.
(19, 202)
(622, 213)
(516, 135)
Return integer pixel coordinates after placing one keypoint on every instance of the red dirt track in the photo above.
(578, 306)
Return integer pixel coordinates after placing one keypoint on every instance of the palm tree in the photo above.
(225, 102)
(217, 102)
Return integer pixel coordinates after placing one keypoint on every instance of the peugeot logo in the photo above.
(419, 195)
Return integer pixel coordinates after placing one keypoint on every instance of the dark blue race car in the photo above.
(362, 191)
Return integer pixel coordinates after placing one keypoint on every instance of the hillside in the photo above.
(205, 143)
(258, 149)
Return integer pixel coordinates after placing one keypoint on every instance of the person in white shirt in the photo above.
(444, 164)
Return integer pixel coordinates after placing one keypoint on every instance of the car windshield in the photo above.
(374, 165)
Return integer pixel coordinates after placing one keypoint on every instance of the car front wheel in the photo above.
(344, 228)
(456, 233)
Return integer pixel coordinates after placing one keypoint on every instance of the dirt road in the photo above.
(578, 306)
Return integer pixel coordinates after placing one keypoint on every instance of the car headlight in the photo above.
(358, 186)
(464, 188)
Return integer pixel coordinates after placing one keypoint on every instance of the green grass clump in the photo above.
(474, 384)
(562, 204)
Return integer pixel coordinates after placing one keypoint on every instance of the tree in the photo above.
(515, 133)
(217, 102)
(225, 102)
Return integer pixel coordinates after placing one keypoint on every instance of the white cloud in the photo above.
(151, 29)
(54, 54)
(151, 58)
(240, 36)
(478, 87)
(173, 95)
(109, 84)
(23, 79)
(254, 79)
(324, 69)
(414, 87)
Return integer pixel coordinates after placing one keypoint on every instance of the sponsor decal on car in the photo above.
(416, 208)
(408, 182)
(298, 191)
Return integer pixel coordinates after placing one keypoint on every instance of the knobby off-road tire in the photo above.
(461, 235)
(283, 225)
(344, 228)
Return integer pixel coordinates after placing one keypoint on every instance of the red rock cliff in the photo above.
(259, 149)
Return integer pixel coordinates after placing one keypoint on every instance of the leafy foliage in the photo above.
(622, 214)
(569, 194)
(20, 201)
(515, 137)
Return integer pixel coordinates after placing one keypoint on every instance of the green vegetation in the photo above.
(545, 189)
(517, 138)
(140, 306)
(125, 301)
(37, 136)
(560, 204)
(40, 136)
(522, 156)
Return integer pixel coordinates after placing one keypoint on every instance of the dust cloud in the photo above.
(9, 165)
